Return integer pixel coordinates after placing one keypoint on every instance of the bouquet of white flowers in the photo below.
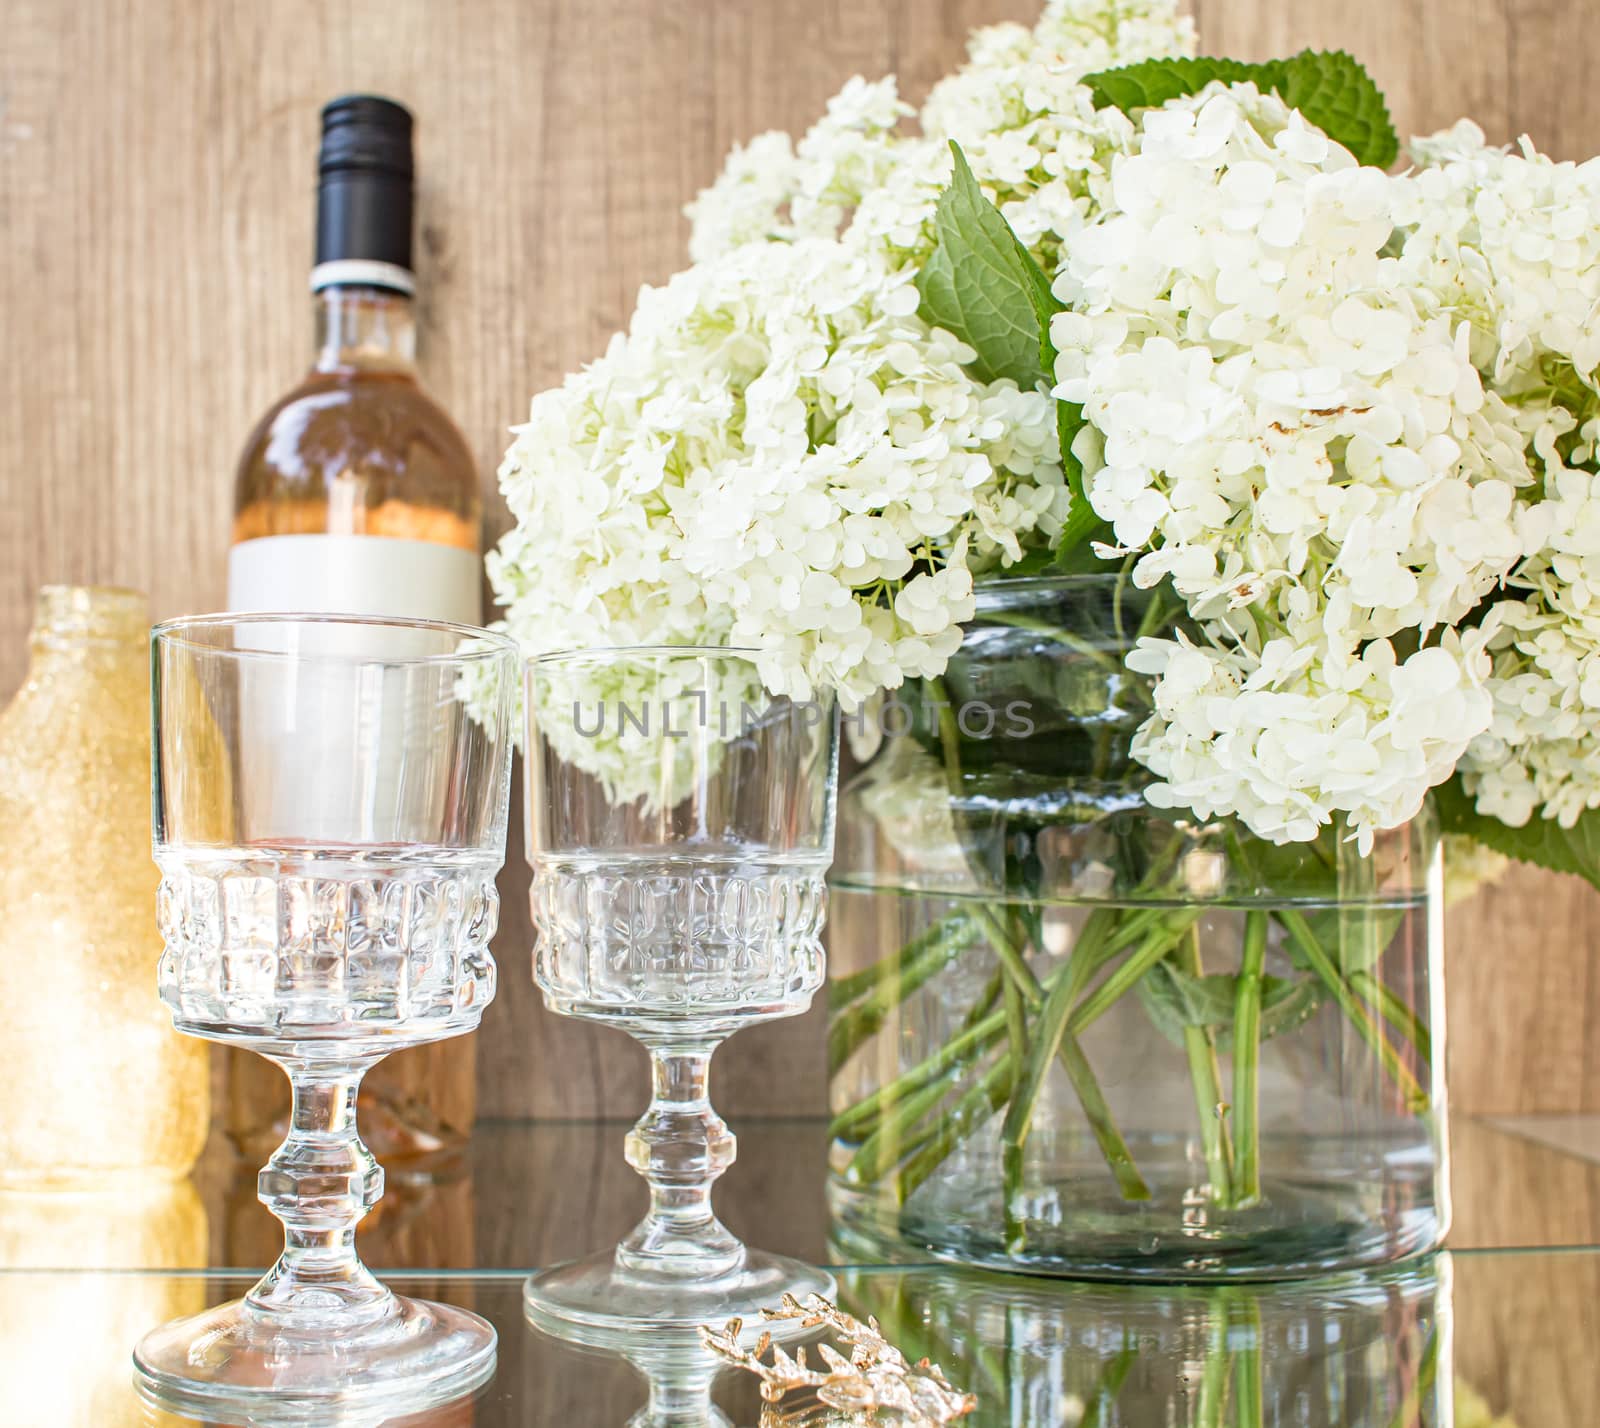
(1112, 307)
(1168, 310)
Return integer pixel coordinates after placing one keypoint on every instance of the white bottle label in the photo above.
(356, 575)
(303, 784)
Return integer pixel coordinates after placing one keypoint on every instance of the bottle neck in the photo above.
(365, 329)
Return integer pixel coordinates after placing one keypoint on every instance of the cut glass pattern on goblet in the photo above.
(325, 968)
(678, 894)
(324, 955)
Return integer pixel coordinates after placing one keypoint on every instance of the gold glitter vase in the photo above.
(97, 1081)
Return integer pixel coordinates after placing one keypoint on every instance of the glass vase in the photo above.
(1073, 1032)
(97, 1081)
(1365, 1350)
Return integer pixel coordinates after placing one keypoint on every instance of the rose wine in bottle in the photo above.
(356, 494)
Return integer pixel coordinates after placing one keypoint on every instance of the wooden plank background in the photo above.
(155, 224)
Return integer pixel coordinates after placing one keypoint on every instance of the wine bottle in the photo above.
(356, 494)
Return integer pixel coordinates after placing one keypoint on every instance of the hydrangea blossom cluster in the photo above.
(1027, 125)
(1300, 442)
(1510, 244)
(1351, 417)
(779, 454)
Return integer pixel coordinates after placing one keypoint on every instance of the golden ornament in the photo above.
(876, 1383)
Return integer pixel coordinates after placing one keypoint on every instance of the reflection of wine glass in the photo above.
(680, 823)
(328, 821)
(460, 1412)
(678, 1369)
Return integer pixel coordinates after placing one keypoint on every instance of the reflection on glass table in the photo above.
(1524, 1324)
(1472, 1339)
(507, 1203)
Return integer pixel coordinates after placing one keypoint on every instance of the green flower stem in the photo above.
(1112, 1377)
(1396, 1012)
(1212, 1399)
(894, 1110)
(1157, 943)
(1408, 1414)
(1249, 1409)
(895, 1132)
(1011, 957)
(1247, 1067)
(1016, 1016)
(845, 990)
(951, 1058)
(910, 969)
(1119, 1159)
(1205, 1074)
(1050, 1040)
(979, 1102)
(1358, 1011)
(908, 1099)
(890, 1142)
(985, 1003)
(1021, 1055)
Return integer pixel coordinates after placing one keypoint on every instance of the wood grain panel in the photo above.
(155, 226)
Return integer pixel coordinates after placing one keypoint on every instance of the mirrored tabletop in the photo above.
(1499, 1330)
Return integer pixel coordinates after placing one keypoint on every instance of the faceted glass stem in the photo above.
(320, 1183)
(680, 1397)
(680, 1146)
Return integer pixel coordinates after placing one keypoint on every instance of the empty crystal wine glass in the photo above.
(329, 817)
(680, 824)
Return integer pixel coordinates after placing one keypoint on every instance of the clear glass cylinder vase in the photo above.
(1367, 1350)
(1073, 1032)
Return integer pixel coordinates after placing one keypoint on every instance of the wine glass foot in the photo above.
(235, 1363)
(600, 1302)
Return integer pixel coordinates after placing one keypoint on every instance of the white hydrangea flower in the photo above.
(1287, 735)
(1353, 418)
(1510, 241)
(749, 202)
(770, 191)
(1302, 445)
(778, 454)
(1029, 130)
(1538, 754)
(648, 731)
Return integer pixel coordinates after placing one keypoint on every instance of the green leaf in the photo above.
(1329, 87)
(1072, 553)
(1335, 92)
(981, 284)
(1069, 421)
(1285, 1004)
(1175, 999)
(1152, 82)
(1541, 841)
